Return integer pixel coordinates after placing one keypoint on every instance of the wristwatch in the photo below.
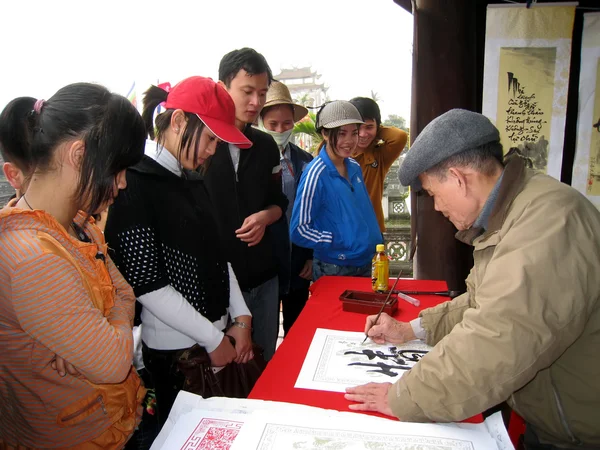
(242, 325)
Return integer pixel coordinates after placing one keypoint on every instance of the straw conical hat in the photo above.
(279, 94)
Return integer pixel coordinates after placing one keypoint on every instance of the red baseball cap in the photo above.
(213, 106)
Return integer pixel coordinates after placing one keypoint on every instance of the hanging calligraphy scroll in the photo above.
(526, 78)
(586, 168)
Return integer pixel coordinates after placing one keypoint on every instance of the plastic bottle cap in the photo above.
(380, 248)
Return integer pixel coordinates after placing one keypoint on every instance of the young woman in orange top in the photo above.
(61, 297)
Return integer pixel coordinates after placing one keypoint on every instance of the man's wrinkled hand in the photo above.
(389, 330)
(370, 397)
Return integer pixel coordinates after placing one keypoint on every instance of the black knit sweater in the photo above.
(161, 231)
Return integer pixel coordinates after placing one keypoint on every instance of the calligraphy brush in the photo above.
(450, 294)
(383, 306)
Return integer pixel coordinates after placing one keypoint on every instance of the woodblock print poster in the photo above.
(190, 411)
(532, 46)
(338, 359)
(201, 429)
(268, 431)
(586, 167)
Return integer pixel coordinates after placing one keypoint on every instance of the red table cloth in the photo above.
(324, 310)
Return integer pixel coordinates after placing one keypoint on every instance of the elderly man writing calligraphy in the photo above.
(528, 329)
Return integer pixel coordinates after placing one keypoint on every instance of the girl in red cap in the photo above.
(166, 243)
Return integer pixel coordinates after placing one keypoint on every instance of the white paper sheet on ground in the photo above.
(189, 409)
(202, 429)
(266, 430)
(493, 425)
(184, 403)
(195, 421)
(337, 360)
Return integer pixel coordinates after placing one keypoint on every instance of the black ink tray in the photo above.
(368, 302)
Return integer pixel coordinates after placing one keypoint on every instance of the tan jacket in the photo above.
(528, 329)
(376, 161)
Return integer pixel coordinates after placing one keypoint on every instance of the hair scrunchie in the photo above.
(38, 105)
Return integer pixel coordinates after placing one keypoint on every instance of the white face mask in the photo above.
(281, 139)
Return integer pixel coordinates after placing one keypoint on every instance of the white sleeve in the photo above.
(171, 308)
(237, 304)
(420, 332)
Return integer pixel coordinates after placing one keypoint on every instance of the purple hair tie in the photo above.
(38, 105)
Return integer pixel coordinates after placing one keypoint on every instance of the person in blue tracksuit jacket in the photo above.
(332, 213)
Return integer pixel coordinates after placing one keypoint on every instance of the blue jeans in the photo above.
(263, 303)
(321, 268)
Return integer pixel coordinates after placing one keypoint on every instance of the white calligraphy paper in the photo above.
(338, 359)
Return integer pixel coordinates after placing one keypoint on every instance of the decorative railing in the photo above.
(397, 242)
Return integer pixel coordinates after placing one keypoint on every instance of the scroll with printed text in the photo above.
(526, 78)
(586, 167)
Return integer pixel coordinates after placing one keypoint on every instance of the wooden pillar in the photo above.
(447, 73)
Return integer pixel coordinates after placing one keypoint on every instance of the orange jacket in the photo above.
(60, 296)
(376, 161)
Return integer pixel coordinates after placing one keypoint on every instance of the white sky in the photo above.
(356, 45)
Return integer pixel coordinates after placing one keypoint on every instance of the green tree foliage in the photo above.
(395, 120)
(307, 127)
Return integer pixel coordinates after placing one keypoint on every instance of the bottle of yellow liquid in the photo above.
(380, 270)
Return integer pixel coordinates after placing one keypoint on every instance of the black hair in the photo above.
(15, 136)
(108, 124)
(332, 133)
(485, 159)
(332, 136)
(156, 128)
(368, 108)
(244, 58)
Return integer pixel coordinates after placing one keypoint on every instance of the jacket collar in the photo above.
(514, 178)
(351, 168)
(163, 157)
(488, 207)
(368, 155)
(293, 153)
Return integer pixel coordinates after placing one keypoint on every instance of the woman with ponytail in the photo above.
(60, 293)
(166, 243)
(14, 137)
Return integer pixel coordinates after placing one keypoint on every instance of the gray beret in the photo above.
(447, 135)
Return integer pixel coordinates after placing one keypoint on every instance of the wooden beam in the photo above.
(447, 73)
(406, 4)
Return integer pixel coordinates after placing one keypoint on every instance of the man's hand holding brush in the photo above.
(387, 329)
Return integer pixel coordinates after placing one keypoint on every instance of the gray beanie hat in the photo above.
(337, 114)
(447, 135)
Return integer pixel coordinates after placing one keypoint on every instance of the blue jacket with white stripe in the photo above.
(334, 216)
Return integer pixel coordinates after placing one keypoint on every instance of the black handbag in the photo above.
(234, 380)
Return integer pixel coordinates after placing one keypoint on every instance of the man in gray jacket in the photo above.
(528, 329)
